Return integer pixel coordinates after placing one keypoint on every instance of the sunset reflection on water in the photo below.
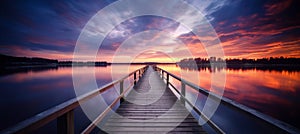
(38, 89)
(275, 93)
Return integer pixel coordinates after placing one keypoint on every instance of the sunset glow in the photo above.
(246, 29)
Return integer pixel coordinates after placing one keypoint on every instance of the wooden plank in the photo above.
(154, 129)
(147, 124)
(171, 120)
(166, 114)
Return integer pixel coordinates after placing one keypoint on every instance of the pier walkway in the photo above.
(152, 109)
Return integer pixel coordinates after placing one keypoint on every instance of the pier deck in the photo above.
(151, 107)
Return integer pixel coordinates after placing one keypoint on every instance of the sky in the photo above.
(244, 28)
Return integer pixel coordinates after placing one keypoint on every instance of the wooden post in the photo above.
(121, 90)
(134, 77)
(65, 123)
(182, 93)
(139, 73)
(162, 74)
(167, 79)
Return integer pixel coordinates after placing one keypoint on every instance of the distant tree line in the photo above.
(11, 61)
(214, 60)
(213, 64)
(89, 63)
(23, 61)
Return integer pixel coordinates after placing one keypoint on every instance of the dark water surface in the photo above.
(26, 93)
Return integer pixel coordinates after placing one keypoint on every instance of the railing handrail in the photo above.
(55, 112)
(184, 99)
(105, 112)
(275, 122)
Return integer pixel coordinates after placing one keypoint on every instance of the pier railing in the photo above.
(64, 113)
(184, 99)
(273, 122)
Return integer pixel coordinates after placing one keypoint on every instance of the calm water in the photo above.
(275, 93)
(29, 92)
(26, 93)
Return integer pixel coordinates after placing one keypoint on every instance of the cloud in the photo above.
(247, 29)
(207, 7)
(259, 31)
(275, 8)
(43, 53)
(44, 25)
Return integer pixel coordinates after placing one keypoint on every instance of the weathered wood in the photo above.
(65, 123)
(139, 73)
(168, 79)
(104, 113)
(166, 114)
(134, 78)
(182, 98)
(121, 90)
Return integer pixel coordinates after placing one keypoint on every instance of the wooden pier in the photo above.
(166, 114)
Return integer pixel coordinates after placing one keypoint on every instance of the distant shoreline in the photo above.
(16, 62)
(11, 62)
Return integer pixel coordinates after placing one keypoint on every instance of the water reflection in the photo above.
(26, 93)
(219, 67)
(8, 71)
(29, 91)
(273, 92)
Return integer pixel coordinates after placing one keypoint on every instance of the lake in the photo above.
(26, 93)
(272, 92)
